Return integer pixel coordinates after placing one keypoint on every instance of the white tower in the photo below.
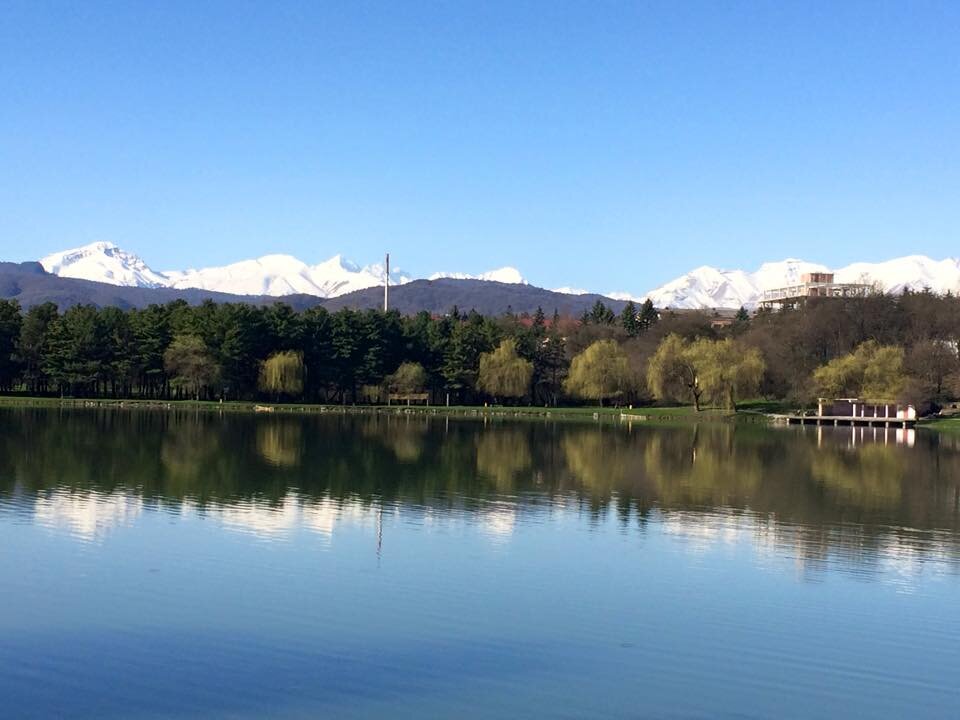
(386, 283)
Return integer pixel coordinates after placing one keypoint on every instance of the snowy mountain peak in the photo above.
(275, 274)
(278, 274)
(103, 262)
(339, 262)
(509, 275)
(707, 287)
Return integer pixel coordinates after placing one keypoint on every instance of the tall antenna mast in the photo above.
(386, 284)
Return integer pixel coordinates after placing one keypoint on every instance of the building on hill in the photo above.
(812, 285)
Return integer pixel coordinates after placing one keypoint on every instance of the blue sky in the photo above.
(602, 145)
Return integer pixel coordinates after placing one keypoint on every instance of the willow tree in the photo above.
(282, 374)
(672, 374)
(409, 378)
(726, 370)
(600, 372)
(872, 371)
(503, 373)
(716, 370)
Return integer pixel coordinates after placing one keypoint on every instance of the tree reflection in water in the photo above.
(818, 491)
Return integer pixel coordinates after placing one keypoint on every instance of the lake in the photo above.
(172, 564)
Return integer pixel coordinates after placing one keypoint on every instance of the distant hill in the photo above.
(484, 296)
(30, 285)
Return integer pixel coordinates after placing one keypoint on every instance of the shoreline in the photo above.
(641, 415)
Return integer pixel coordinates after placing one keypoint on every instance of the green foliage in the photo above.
(726, 370)
(671, 372)
(648, 315)
(191, 365)
(503, 373)
(109, 352)
(600, 372)
(630, 319)
(601, 314)
(76, 351)
(468, 341)
(549, 365)
(872, 372)
(34, 346)
(282, 373)
(715, 370)
(10, 323)
(410, 377)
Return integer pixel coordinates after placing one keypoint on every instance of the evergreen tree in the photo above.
(75, 352)
(191, 365)
(539, 322)
(10, 325)
(648, 315)
(151, 336)
(629, 319)
(549, 366)
(601, 314)
(34, 346)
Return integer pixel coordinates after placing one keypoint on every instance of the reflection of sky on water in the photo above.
(323, 566)
(87, 515)
(901, 557)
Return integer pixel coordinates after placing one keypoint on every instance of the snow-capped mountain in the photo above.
(508, 275)
(707, 287)
(103, 262)
(268, 275)
(703, 287)
(284, 275)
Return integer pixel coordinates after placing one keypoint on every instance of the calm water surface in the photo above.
(167, 565)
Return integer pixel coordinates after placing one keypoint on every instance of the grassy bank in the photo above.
(641, 414)
(942, 424)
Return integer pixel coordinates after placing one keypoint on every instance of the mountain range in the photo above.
(30, 284)
(274, 275)
(284, 275)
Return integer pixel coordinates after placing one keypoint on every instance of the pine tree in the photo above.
(539, 322)
(10, 323)
(629, 320)
(648, 315)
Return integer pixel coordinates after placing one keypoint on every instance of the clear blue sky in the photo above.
(603, 145)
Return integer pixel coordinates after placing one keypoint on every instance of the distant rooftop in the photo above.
(813, 285)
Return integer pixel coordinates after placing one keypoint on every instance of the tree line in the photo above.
(901, 347)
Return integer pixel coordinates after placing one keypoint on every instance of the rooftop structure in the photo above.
(812, 285)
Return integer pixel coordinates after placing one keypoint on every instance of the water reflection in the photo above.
(280, 443)
(88, 515)
(272, 520)
(878, 500)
